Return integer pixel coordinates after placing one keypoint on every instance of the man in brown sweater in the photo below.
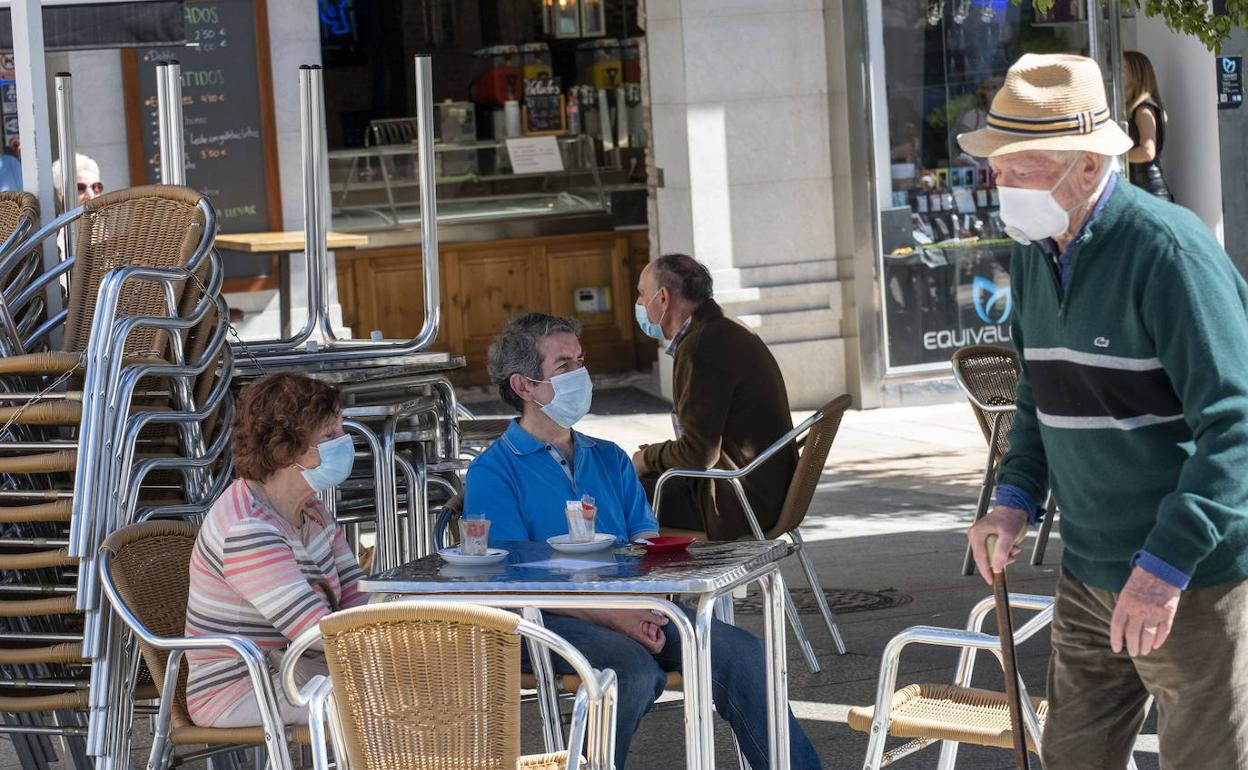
(730, 404)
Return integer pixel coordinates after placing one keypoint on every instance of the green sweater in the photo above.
(1133, 398)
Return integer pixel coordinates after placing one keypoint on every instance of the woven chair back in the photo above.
(430, 686)
(152, 569)
(989, 375)
(16, 208)
(810, 466)
(153, 226)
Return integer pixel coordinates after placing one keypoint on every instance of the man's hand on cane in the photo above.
(1010, 526)
(1143, 614)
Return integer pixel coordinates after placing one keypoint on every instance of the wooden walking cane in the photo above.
(1005, 630)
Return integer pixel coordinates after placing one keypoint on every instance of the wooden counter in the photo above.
(486, 283)
(284, 242)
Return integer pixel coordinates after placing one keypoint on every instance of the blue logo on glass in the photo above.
(1229, 64)
(991, 301)
(336, 17)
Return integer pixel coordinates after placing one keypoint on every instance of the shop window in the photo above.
(944, 255)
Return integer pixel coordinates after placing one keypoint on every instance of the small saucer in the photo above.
(453, 556)
(563, 544)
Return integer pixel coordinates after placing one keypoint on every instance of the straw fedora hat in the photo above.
(1049, 102)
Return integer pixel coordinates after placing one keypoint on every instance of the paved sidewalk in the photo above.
(890, 514)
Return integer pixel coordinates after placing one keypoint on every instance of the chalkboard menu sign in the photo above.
(543, 107)
(226, 109)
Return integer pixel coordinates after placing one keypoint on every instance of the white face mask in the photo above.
(574, 393)
(1033, 215)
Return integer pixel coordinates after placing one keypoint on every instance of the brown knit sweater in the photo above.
(731, 404)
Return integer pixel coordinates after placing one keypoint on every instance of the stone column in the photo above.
(739, 107)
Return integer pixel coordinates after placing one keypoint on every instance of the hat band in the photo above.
(1078, 124)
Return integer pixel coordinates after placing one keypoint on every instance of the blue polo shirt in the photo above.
(521, 484)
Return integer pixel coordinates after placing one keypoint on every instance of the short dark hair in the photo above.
(684, 275)
(515, 351)
(277, 415)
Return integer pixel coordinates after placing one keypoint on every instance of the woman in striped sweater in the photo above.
(270, 561)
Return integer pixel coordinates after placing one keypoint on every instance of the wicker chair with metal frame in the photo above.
(437, 685)
(145, 573)
(951, 713)
(822, 426)
(988, 376)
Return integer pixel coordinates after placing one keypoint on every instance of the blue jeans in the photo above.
(738, 683)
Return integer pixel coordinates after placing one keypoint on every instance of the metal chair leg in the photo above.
(948, 755)
(795, 621)
(812, 579)
(985, 495)
(1046, 526)
(725, 612)
(547, 692)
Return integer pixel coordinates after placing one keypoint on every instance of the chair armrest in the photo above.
(998, 408)
(595, 698)
(1033, 602)
(714, 473)
(245, 648)
(301, 644)
(763, 457)
(1042, 605)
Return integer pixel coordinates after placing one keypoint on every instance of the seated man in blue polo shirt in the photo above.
(521, 483)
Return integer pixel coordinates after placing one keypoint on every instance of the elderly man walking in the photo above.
(1132, 329)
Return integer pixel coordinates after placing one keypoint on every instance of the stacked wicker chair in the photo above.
(108, 412)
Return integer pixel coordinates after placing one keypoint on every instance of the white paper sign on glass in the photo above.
(535, 155)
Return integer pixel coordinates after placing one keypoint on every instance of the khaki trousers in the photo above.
(1199, 679)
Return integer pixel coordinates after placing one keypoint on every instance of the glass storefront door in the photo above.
(944, 258)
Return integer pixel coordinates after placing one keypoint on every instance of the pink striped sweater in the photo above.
(255, 574)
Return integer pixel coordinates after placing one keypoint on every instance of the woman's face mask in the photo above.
(574, 392)
(337, 458)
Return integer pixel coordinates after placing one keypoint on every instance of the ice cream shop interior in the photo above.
(540, 163)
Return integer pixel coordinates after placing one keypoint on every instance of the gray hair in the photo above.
(684, 275)
(1109, 165)
(515, 351)
(83, 165)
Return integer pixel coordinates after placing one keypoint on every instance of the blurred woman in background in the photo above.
(1147, 125)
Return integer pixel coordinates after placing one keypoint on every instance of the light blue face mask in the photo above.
(574, 392)
(649, 328)
(337, 457)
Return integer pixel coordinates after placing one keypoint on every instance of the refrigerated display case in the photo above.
(376, 190)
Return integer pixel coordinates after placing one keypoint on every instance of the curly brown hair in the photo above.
(277, 415)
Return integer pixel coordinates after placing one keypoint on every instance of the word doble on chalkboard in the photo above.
(543, 106)
(221, 110)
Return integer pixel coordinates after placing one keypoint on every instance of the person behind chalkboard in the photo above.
(89, 184)
(1147, 126)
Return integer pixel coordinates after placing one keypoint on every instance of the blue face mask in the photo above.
(574, 392)
(649, 328)
(337, 457)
